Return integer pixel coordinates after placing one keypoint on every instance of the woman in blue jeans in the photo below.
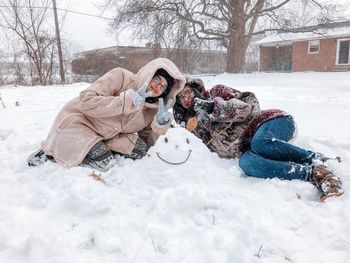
(271, 155)
(231, 124)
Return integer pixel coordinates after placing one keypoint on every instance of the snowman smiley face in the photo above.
(166, 140)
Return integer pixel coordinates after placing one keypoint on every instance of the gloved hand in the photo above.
(205, 120)
(163, 116)
(203, 105)
(141, 95)
(203, 109)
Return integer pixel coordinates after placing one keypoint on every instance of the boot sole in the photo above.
(32, 156)
(327, 197)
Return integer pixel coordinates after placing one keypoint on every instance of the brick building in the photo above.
(322, 48)
(99, 61)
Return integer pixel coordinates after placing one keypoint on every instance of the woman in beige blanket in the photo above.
(120, 113)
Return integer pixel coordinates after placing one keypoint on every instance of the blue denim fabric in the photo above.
(271, 155)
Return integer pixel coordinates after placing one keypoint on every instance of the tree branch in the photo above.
(270, 9)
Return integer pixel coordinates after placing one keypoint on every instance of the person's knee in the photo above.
(99, 157)
(246, 163)
(260, 144)
(252, 165)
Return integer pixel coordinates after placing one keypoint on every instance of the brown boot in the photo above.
(329, 184)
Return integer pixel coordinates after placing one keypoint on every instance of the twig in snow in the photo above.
(338, 158)
(154, 246)
(2, 102)
(158, 249)
(258, 254)
(97, 177)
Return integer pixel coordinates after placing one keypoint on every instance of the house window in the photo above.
(343, 52)
(314, 46)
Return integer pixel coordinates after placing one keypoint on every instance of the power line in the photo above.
(61, 9)
(85, 14)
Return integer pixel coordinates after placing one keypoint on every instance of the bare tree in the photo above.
(12, 69)
(228, 23)
(3, 77)
(26, 18)
(18, 64)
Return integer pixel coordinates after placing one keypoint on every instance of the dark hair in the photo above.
(180, 113)
(169, 79)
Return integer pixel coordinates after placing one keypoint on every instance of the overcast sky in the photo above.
(87, 32)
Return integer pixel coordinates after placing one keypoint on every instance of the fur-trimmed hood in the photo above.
(105, 112)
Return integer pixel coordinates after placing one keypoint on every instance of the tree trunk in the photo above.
(236, 50)
(39, 68)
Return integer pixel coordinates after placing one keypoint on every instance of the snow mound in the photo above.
(149, 210)
(179, 145)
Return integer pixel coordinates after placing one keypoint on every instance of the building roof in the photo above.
(331, 30)
(133, 49)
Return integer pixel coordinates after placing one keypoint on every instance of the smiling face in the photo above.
(157, 85)
(186, 97)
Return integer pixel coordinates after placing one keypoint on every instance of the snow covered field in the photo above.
(151, 211)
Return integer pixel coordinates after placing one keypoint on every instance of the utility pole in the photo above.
(58, 38)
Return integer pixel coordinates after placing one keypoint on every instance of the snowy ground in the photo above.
(150, 211)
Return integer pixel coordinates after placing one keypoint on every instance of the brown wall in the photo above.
(265, 58)
(275, 58)
(322, 61)
(99, 62)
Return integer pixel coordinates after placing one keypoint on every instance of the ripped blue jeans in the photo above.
(271, 155)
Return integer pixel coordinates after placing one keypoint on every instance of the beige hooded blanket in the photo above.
(105, 111)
